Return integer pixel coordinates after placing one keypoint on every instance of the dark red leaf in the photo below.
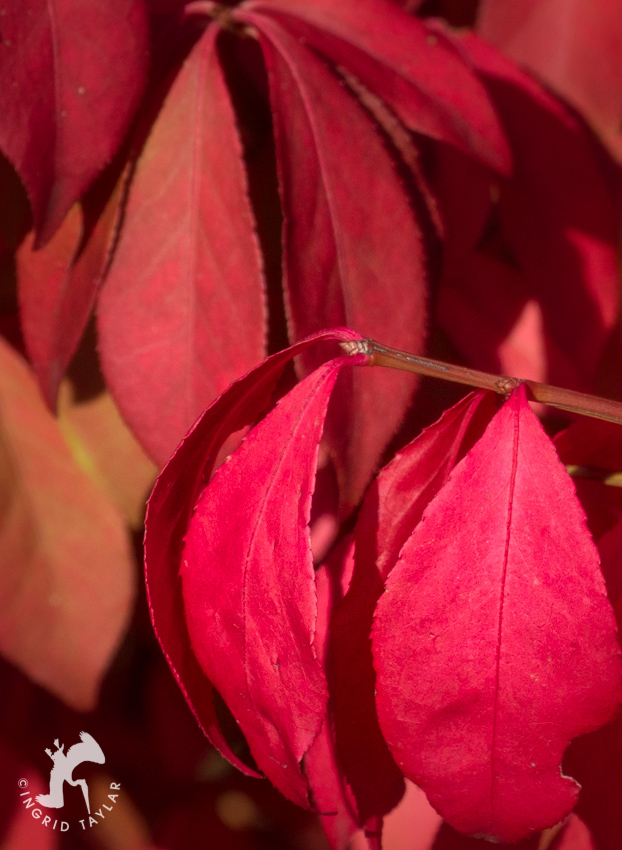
(392, 507)
(574, 47)
(494, 644)
(249, 586)
(396, 57)
(334, 205)
(168, 514)
(73, 72)
(182, 311)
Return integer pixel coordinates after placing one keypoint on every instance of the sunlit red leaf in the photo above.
(396, 57)
(73, 73)
(170, 509)
(251, 619)
(393, 506)
(352, 248)
(574, 47)
(182, 311)
(494, 627)
(67, 578)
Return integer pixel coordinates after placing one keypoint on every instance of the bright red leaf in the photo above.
(73, 72)
(574, 47)
(169, 512)
(182, 311)
(494, 644)
(393, 506)
(251, 620)
(329, 279)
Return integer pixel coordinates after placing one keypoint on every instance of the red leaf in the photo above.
(67, 579)
(425, 82)
(573, 47)
(168, 514)
(495, 644)
(558, 213)
(251, 619)
(57, 286)
(182, 311)
(333, 205)
(392, 507)
(73, 73)
(330, 793)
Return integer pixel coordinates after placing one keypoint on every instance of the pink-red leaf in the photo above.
(393, 506)
(249, 586)
(574, 47)
(494, 644)
(425, 82)
(67, 579)
(182, 311)
(168, 514)
(352, 247)
(73, 72)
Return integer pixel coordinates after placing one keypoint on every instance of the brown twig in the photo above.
(588, 405)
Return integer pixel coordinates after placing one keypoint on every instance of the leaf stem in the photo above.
(575, 402)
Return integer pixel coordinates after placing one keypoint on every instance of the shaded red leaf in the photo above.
(574, 47)
(249, 586)
(595, 760)
(57, 286)
(425, 82)
(448, 839)
(330, 794)
(168, 514)
(558, 215)
(495, 627)
(73, 73)
(593, 450)
(334, 204)
(182, 311)
(68, 575)
(393, 506)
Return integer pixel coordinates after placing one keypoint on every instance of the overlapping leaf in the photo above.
(343, 265)
(182, 312)
(425, 82)
(558, 225)
(494, 644)
(572, 46)
(57, 287)
(392, 508)
(73, 72)
(249, 587)
(170, 509)
(67, 577)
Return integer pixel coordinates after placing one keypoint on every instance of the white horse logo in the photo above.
(64, 764)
